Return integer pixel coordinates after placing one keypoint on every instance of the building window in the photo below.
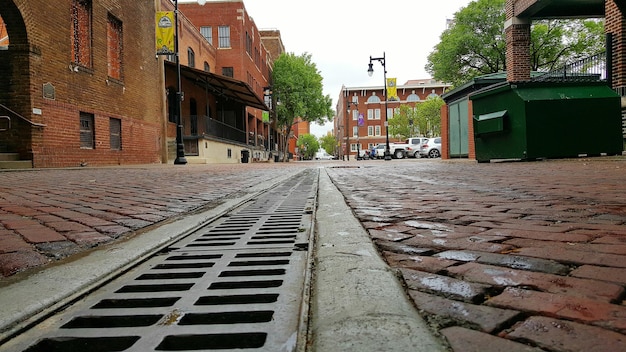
(114, 48)
(81, 32)
(377, 130)
(373, 114)
(373, 99)
(355, 131)
(207, 33)
(223, 36)
(115, 133)
(354, 147)
(355, 114)
(191, 58)
(228, 72)
(248, 44)
(370, 130)
(207, 67)
(413, 97)
(87, 135)
(389, 113)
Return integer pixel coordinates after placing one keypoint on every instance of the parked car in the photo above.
(415, 146)
(431, 148)
(323, 156)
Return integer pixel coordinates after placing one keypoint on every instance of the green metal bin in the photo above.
(537, 120)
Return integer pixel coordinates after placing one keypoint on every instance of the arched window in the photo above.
(373, 99)
(191, 58)
(413, 97)
(207, 67)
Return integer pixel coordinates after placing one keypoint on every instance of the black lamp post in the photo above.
(358, 152)
(370, 71)
(180, 147)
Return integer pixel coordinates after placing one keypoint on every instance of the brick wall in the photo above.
(42, 54)
(616, 24)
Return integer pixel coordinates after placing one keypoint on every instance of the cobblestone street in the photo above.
(520, 256)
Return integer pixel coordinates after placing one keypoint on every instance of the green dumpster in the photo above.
(537, 120)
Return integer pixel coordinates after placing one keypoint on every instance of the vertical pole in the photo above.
(387, 148)
(180, 147)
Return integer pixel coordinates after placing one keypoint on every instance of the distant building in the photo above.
(360, 118)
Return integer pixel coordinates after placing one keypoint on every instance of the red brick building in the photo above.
(240, 53)
(367, 105)
(84, 87)
(78, 87)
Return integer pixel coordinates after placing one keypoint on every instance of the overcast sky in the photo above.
(405, 30)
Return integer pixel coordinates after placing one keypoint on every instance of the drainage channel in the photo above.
(238, 283)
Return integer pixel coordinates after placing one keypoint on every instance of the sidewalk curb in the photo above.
(357, 303)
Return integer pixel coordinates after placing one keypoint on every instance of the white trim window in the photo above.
(354, 147)
(355, 131)
(370, 130)
(377, 130)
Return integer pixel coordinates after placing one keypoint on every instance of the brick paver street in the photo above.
(504, 256)
(518, 256)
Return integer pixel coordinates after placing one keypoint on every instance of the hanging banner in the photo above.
(265, 116)
(165, 33)
(392, 91)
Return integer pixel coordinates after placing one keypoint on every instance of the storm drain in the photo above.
(234, 284)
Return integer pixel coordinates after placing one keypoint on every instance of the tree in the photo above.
(429, 116)
(401, 125)
(308, 145)
(475, 45)
(297, 86)
(329, 143)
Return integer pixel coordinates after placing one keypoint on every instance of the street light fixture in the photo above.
(180, 147)
(370, 72)
(358, 147)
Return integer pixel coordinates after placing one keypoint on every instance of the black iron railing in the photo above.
(593, 68)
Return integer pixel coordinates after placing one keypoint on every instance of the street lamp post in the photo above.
(358, 152)
(180, 147)
(370, 71)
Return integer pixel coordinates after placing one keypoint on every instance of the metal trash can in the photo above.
(537, 120)
(245, 156)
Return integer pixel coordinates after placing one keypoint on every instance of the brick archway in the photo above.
(15, 90)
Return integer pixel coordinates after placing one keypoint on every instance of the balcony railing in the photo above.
(592, 68)
(201, 125)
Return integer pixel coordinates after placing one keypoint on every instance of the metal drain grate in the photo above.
(235, 284)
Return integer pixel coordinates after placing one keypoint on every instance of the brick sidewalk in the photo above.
(503, 256)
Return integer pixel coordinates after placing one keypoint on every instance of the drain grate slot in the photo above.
(96, 344)
(136, 303)
(236, 299)
(227, 318)
(212, 342)
(233, 284)
(124, 321)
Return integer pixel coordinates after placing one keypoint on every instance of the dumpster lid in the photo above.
(491, 115)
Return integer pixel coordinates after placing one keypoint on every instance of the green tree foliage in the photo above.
(475, 44)
(402, 124)
(423, 120)
(307, 145)
(329, 143)
(429, 117)
(298, 90)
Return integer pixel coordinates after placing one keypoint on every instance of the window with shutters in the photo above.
(115, 134)
(87, 133)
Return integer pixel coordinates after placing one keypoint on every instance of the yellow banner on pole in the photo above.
(392, 91)
(165, 33)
